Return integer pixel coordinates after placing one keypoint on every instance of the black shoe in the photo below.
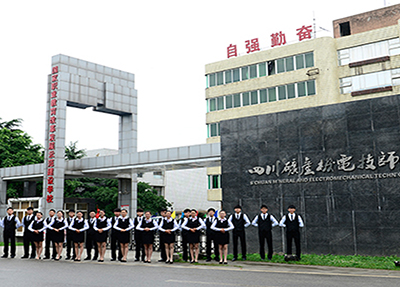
(94, 258)
(100, 260)
(122, 260)
(234, 259)
(161, 260)
(68, 258)
(24, 257)
(87, 258)
(32, 257)
(4, 256)
(167, 261)
(244, 258)
(136, 260)
(113, 259)
(217, 259)
(12, 256)
(171, 262)
(225, 262)
(397, 263)
(220, 262)
(208, 260)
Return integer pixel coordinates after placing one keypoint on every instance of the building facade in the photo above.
(317, 110)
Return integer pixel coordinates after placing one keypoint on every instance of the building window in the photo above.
(157, 174)
(344, 29)
(220, 103)
(214, 181)
(253, 71)
(254, 97)
(229, 102)
(236, 75)
(236, 100)
(369, 51)
(140, 174)
(212, 80)
(212, 105)
(262, 69)
(245, 73)
(220, 78)
(213, 130)
(228, 77)
(263, 96)
(369, 81)
(289, 64)
(245, 99)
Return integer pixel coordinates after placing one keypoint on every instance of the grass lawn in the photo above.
(17, 244)
(357, 261)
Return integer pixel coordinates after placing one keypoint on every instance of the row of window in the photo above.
(370, 81)
(261, 70)
(214, 181)
(213, 130)
(273, 94)
(369, 51)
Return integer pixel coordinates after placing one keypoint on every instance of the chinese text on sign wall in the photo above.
(277, 39)
(51, 152)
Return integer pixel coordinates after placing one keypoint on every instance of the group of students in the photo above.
(120, 226)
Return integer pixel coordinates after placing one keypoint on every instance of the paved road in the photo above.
(18, 272)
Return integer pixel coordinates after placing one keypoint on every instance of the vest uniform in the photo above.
(58, 237)
(49, 238)
(101, 237)
(168, 238)
(265, 234)
(138, 236)
(28, 237)
(163, 253)
(37, 225)
(91, 239)
(9, 234)
(78, 237)
(114, 241)
(222, 238)
(123, 237)
(148, 236)
(239, 232)
(292, 233)
(211, 236)
(193, 237)
(70, 234)
(184, 234)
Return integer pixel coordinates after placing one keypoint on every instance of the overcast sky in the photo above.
(166, 44)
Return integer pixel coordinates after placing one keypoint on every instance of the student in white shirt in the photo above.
(37, 227)
(168, 227)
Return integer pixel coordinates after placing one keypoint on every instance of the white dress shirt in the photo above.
(8, 217)
(85, 227)
(123, 219)
(202, 224)
(222, 220)
(291, 217)
(139, 227)
(30, 227)
(263, 216)
(50, 226)
(245, 218)
(102, 219)
(176, 226)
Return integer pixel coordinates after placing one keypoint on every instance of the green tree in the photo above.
(72, 152)
(148, 198)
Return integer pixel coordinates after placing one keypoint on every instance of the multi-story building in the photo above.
(361, 61)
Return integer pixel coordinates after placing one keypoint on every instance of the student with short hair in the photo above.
(193, 224)
(222, 226)
(9, 223)
(113, 236)
(49, 236)
(240, 221)
(161, 235)
(79, 225)
(69, 237)
(37, 227)
(101, 226)
(123, 225)
(28, 235)
(90, 238)
(265, 221)
(148, 226)
(58, 225)
(292, 222)
(168, 227)
(211, 235)
(184, 233)
(138, 235)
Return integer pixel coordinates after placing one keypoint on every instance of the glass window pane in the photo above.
(236, 100)
(301, 89)
(311, 88)
(309, 59)
(220, 103)
(271, 68)
(213, 105)
(207, 84)
(212, 80)
(299, 61)
(291, 92)
(262, 69)
(263, 96)
(280, 65)
(245, 73)
(254, 97)
(228, 77)
(220, 78)
(246, 99)
(253, 71)
(271, 94)
(282, 93)
(229, 102)
(213, 130)
(236, 75)
(289, 64)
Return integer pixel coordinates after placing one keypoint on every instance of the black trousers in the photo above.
(139, 247)
(290, 236)
(162, 247)
(9, 237)
(90, 244)
(28, 239)
(115, 246)
(236, 236)
(70, 245)
(49, 238)
(211, 238)
(185, 253)
(263, 236)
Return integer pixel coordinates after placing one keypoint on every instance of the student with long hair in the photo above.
(193, 225)
(123, 225)
(148, 226)
(168, 227)
(79, 225)
(101, 226)
(58, 225)
(222, 226)
(37, 227)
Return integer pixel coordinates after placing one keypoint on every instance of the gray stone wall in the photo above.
(338, 164)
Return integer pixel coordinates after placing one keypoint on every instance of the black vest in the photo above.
(147, 225)
(58, 224)
(79, 225)
(38, 225)
(123, 224)
(222, 224)
(293, 225)
(91, 225)
(112, 224)
(238, 223)
(208, 225)
(264, 225)
(27, 222)
(137, 220)
(10, 225)
(101, 224)
(193, 224)
(69, 221)
(48, 221)
(168, 225)
(184, 231)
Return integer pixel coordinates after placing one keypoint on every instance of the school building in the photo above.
(315, 124)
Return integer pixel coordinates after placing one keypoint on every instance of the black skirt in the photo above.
(37, 237)
(78, 237)
(193, 237)
(222, 238)
(101, 237)
(148, 237)
(169, 238)
(58, 237)
(123, 237)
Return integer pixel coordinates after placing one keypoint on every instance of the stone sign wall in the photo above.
(338, 164)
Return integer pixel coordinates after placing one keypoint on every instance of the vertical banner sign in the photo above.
(51, 149)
